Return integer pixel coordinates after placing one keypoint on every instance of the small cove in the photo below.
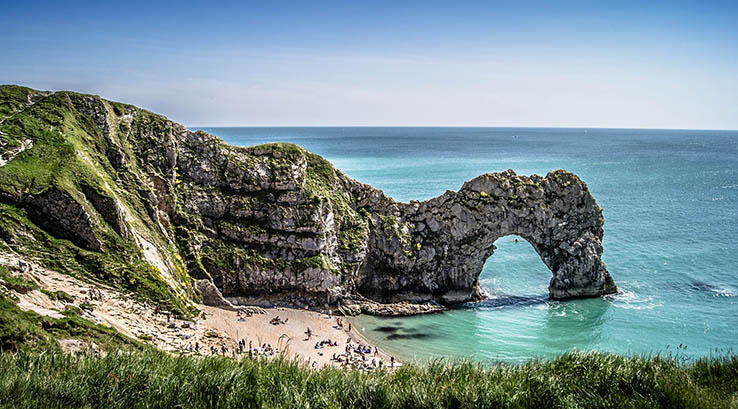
(670, 206)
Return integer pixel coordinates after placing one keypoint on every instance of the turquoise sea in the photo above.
(670, 200)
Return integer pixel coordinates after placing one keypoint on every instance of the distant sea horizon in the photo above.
(670, 202)
(204, 128)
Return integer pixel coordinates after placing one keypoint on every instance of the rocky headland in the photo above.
(108, 191)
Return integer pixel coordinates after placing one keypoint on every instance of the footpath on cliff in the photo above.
(214, 329)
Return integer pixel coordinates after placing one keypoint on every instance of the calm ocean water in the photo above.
(670, 202)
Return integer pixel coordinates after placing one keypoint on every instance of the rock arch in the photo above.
(437, 248)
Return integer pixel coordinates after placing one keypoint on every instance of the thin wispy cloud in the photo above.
(475, 64)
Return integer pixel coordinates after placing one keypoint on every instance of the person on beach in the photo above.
(392, 362)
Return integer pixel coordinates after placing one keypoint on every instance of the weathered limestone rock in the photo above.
(211, 295)
(453, 235)
(61, 214)
(356, 305)
(275, 222)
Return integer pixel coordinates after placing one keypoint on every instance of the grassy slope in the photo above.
(28, 331)
(156, 380)
(67, 155)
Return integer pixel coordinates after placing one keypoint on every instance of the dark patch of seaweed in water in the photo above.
(410, 336)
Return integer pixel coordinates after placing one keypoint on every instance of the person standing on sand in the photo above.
(392, 362)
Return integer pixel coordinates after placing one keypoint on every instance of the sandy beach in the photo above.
(218, 327)
(290, 338)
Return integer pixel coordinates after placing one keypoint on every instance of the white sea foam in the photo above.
(724, 291)
(630, 300)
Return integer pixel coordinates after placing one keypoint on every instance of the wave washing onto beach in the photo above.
(670, 203)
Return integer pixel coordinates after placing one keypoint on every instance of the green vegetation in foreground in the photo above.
(26, 330)
(157, 380)
(29, 331)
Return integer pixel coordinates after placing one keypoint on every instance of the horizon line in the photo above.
(467, 126)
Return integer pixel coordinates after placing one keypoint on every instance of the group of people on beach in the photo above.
(243, 349)
(361, 357)
(325, 342)
(355, 355)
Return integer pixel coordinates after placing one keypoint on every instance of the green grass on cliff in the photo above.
(321, 182)
(123, 269)
(158, 380)
(28, 331)
(69, 155)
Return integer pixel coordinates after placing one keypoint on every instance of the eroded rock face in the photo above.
(276, 222)
(451, 237)
(423, 252)
(65, 217)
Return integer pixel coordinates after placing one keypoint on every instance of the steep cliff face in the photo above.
(127, 196)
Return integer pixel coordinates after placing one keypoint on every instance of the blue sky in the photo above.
(580, 64)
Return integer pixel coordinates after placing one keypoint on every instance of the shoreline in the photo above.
(290, 338)
(382, 348)
(218, 328)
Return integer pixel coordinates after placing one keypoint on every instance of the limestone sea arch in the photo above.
(454, 235)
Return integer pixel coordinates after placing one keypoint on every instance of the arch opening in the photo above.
(514, 274)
